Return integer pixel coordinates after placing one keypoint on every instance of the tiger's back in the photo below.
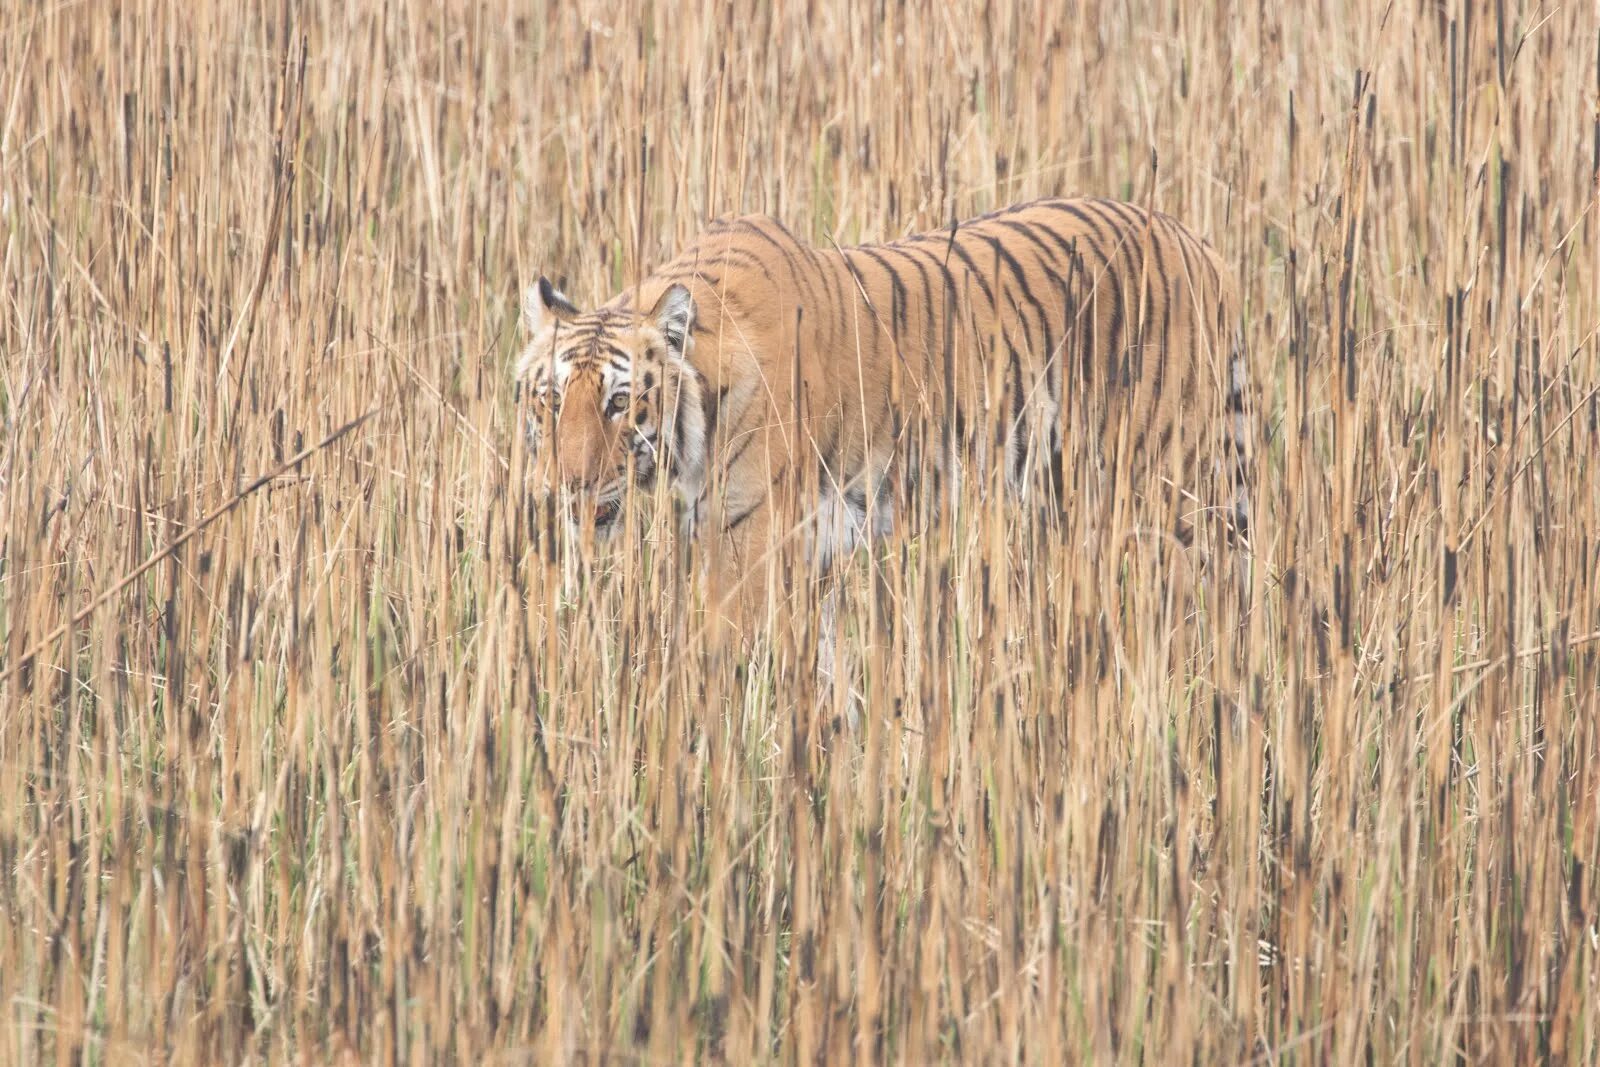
(1012, 337)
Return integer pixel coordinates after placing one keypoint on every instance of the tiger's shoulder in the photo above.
(741, 271)
(741, 248)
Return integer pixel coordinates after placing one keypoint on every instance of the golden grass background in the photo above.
(368, 769)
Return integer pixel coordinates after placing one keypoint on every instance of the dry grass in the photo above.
(364, 768)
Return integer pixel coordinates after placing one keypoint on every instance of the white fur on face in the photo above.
(675, 436)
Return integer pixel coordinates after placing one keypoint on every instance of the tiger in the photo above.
(754, 360)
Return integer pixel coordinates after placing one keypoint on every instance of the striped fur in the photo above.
(1007, 338)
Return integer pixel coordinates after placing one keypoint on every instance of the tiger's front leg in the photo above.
(738, 597)
(743, 528)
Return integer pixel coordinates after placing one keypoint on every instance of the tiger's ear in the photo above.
(542, 304)
(674, 317)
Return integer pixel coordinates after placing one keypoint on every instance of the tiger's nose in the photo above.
(573, 478)
(576, 471)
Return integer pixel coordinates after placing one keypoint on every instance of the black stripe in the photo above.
(1015, 369)
(1191, 288)
(1190, 280)
(1236, 382)
(1098, 238)
(711, 405)
(1138, 223)
(1055, 370)
(944, 334)
(829, 274)
(859, 290)
(1125, 228)
(1048, 349)
(1164, 360)
(1027, 293)
(1025, 231)
(825, 476)
(930, 338)
(972, 268)
(742, 516)
(743, 446)
(738, 257)
(828, 454)
(684, 274)
(1201, 251)
(1069, 245)
(897, 296)
(1003, 254)
(1164, 442)
(785, 252)
(1131, 215)
(1019, 433)
(944, 268)
(1208, 256)
(1153, 258)
(680, 426)
(1105, 276)
(777, 224)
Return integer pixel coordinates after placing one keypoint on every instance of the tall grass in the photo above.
(366, 767)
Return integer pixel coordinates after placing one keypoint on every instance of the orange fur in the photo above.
(838, 371)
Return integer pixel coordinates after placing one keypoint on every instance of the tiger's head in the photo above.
(613, 400)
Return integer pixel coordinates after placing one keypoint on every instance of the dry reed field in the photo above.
(317, 746)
